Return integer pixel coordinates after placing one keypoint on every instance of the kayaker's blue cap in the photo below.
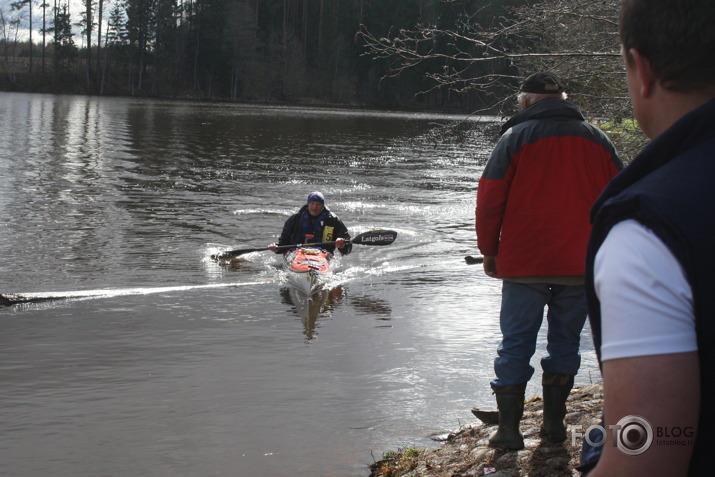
(316, 197)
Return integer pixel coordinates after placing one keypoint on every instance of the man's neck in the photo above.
(671, 106)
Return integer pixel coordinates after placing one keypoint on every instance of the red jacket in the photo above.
(534, 197)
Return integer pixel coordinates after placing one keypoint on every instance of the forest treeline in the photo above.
(455, 55)
(300, 51)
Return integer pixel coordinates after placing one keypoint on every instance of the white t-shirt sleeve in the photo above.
(646, 301)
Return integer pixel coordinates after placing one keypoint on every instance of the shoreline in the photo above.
(466, 452)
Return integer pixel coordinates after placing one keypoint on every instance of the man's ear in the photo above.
(644, 72)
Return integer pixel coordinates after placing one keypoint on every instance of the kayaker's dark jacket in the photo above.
(537, 189)
(302, 229)
(669, 189)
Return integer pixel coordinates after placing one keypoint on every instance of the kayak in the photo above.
(308, 269)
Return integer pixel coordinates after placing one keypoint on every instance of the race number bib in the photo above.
(328, 233)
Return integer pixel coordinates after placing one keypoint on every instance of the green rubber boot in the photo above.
(510, 401)
(557, 388)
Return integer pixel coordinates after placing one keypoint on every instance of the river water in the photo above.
(152, 359)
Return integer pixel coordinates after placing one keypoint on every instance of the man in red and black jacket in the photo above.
(532, 224)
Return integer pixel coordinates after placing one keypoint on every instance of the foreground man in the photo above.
(651, 266)
(532, 227)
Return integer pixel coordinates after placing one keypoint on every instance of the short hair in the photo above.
(676, 36)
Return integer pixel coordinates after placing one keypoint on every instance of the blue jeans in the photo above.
(522, 312)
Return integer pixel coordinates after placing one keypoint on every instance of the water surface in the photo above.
(176, 365)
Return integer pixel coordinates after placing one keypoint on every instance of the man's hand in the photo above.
(490, 266)
(273, 247)
(340, 243)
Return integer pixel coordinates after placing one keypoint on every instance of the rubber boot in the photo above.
(510, 401)
(557, 388)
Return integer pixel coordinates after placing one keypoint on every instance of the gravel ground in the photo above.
(466, 452)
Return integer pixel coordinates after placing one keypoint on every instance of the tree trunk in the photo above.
(55, 42)
(44, 35)
(88, 13)
(320, 32)
(336, 46)
(103, 72)
(305, 30)
(284, 59)
(31, 45)
(99, 36)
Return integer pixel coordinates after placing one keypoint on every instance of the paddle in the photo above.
(373, 237)
(473, 260)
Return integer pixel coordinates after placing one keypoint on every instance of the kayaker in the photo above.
(650, 267)
(533, 201)
(315, 223)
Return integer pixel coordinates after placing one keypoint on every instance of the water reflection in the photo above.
(380, 308)
(309, 309)
(325, 301)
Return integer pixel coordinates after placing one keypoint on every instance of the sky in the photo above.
(76, 7)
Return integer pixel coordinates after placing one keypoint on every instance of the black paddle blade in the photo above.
(235, 253)
(473, 260)
(375, 237)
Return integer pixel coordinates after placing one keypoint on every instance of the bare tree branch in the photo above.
(576, 39)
